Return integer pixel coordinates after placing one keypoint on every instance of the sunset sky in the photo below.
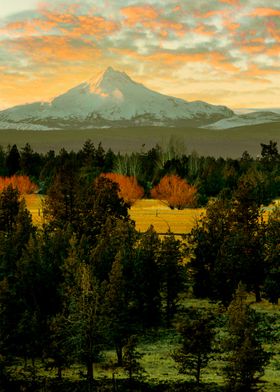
(220, 51)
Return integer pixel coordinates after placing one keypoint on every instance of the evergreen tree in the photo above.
(272, 257)
(82, 297)
(172, 274)
(13, 160)
(197, 335)
(117, 309)
(246, 357)
(131, 360)
(146, 280)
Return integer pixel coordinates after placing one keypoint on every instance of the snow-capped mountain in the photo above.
(113, 99)
(254, 118)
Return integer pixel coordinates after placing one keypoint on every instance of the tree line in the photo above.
(86, 280)
(206, 176)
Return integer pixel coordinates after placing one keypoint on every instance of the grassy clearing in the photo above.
(34, 203)
(148, 212)
(145, 213)
(225, 143)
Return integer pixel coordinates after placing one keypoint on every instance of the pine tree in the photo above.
(247, 358)
(117, 309)
(197, 335)
(172, 274)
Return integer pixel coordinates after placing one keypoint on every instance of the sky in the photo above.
(219, 51)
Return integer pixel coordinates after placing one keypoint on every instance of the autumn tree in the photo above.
(175, 191)
(22, 183)
(129, 189)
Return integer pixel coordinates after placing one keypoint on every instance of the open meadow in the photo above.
(145, 212)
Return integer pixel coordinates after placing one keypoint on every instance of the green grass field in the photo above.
(157, 347)
(226, 143)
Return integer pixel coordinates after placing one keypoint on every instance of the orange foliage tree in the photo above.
(175, 191)
(22, 183)
(129, 189)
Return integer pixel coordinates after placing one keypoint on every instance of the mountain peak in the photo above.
(109, 80)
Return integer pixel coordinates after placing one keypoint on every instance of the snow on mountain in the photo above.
(114, 97)
(23, 126)
(244, 120)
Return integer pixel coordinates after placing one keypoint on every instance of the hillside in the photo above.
(225, 143)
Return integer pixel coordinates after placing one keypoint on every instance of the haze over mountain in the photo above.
(113, 100)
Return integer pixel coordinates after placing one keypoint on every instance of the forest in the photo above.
(87, 301)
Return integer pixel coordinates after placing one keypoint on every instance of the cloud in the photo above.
(265, 12)
(210, 40)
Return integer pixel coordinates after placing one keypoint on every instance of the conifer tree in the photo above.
(247, 358)
(197, 335)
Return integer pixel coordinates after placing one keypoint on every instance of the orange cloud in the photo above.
(265, 12)
(30, 27)
(94, 25)
(150, 18)
(139, 14)
(202, 29)
(253, 49)
(215, 59)
(69, 25)
(53, 48)
(231, 2)
(274, 31)
(255, 71)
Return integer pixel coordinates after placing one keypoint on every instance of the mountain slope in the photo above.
(254, 118)
(113, 99)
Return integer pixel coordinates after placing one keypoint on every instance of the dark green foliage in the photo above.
(131, 359)
(13, 160)
(246, 357)
(87, 280)
(272, 257)
(146, 280)
(172, 274)
(197, 336)
(30, 162)
(227, 246)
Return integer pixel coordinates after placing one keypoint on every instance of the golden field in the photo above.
(148, 212)
(145, 212)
